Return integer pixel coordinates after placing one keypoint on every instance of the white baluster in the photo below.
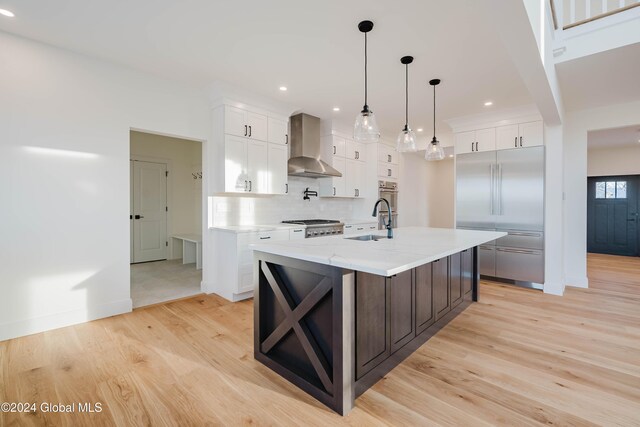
(572, 11)
(587, 9)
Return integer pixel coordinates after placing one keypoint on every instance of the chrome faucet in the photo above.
(388, 224)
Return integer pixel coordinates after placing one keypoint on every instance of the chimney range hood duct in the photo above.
(306, 148)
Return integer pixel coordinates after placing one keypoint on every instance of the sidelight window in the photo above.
(611, 189)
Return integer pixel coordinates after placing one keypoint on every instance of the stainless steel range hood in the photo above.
(306, 149)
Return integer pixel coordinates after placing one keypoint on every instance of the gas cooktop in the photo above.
(319, 227)
(312, 221)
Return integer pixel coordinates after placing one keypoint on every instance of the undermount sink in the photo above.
(367, 237)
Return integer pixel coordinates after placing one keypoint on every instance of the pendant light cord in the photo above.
(365, 69)
(434, 112)
(406, 96)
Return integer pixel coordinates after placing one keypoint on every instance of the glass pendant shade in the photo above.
(406, 142)
(434, 151)
(366, 127)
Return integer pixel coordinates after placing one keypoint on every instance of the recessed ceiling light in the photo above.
(488, 104)
(283, 88)
(419, 130)
(6, 12)
(336, 108)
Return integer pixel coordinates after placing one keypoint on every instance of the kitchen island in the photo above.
(333, 315)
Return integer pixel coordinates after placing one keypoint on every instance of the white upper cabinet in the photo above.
(531, 134)
(235, 121)
(387, 170)
(278, 133)
(339, 146)
(520, 135)
(258, 167)
(355, 150)
(252, 164)
(235, 168)
(245, 123)
(507, 137)
(338, 187)
(355, 178)
(277, 160)
(387, 154)
(475, 141)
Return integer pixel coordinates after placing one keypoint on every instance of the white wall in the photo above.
(184, 193)
(614, 160)
(64, 174)
(441, 193)
(576, 126)
(413, 185)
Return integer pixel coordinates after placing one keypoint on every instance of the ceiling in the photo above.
(313, 48)
(618, 137)
(605, 78)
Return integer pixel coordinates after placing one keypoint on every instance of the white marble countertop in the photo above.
(410, 248)
(256, 228)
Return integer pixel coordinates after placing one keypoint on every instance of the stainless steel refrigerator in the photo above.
(504, 190)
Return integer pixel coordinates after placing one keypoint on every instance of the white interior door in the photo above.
(149, 211)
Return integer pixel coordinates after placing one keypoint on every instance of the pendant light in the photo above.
(406, 141)
(434, 150)
(366, 128)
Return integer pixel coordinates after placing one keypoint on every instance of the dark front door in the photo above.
(612, 215)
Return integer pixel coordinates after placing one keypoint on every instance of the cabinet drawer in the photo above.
(387, 170)
(522, 239)
(487, 260)
(526, 265)
(296, 233)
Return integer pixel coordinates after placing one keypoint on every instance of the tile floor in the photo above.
(159, 281)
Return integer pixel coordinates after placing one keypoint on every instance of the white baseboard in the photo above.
(60, 320)
(582, 282)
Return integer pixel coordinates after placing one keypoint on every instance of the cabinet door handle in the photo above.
(472, 146)
(515, 142)
(286, 140)
(265, 237)
(357, 155)
(334, 149)
(245, 130)
(250, 185)
(334, 191)
(138, 216)
(476, 144)
(360, 228)
(389, 158)
(286, 188)
(516, 251)
(246, 183)
(520, 141)
(388, 172)
(249, 131)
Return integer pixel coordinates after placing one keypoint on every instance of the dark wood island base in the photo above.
(335, 332)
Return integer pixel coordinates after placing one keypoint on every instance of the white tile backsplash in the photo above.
(246, 210)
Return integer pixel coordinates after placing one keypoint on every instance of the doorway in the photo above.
(165, 217)
(612, 215)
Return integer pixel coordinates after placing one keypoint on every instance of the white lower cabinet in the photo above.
(234, 261)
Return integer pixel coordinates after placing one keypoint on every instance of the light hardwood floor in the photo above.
(517, 358)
